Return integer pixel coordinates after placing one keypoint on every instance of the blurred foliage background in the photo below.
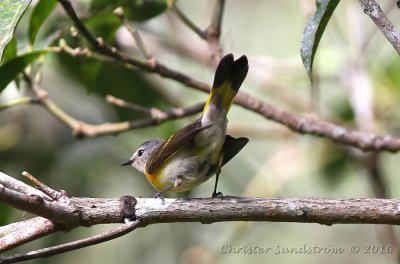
(357, 79)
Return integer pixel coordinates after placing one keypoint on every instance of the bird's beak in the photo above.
(126, 163)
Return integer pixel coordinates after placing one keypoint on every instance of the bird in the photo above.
(196, 152)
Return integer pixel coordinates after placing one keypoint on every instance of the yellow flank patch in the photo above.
(154, 180)
(227, 94)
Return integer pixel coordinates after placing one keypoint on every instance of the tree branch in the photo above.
(76, 211)
(16, 234)
(90, 241)
(16, 185)
(301, 124)
(297, 123)
(119, 12)
(83, 129)
(66, 213)
(374, 11)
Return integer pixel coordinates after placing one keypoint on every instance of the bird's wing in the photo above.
(231, 147)
(173, 144)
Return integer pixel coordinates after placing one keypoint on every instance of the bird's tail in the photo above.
(229, 76)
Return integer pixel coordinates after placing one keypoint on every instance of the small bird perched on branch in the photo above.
(197, 151)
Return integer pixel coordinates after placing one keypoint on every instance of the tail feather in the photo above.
(229, 76)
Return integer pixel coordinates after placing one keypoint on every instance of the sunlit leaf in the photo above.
(313, 32)
(10, 13)
(10, 69)
(10, 51)
(39, 15)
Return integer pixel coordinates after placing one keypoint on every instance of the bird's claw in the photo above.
(160, 196)
(217, 194)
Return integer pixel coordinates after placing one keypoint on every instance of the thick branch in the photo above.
(374, 11)
(74, 211)
(59, 212)
(91, 211)
(148, 211)
(67, 212)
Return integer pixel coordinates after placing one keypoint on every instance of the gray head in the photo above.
(142, 154)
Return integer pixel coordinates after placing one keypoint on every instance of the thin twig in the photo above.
(18, 186)
(119, 12)
(213, 32)
(17, 102)
(66, 4)
(82, 243)
(98, 43)
(201, 33)
(156, 113)
(128, 105)
(82, 129)
(374, 11)
(44, 188)
(61, 213)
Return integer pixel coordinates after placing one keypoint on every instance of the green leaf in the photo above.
(138, 10)
(313, 32)
(104, 24)
(10, 69)
(90, 69)
(103, 5)
(39, 15)
(142, 10)
(10, 51)
(10, 13)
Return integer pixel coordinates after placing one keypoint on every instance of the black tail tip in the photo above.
(229, 60)
(231, 70)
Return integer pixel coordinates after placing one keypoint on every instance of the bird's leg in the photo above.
(176, 183)
(215, 193)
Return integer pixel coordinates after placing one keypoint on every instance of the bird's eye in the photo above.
(140, 152)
